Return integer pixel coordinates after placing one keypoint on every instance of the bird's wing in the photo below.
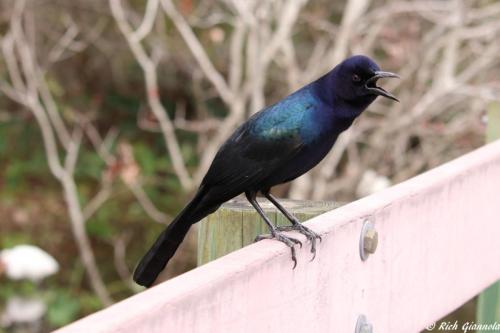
(259, 147)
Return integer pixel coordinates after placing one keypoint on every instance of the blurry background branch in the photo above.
(149, 68)
(29, 88)
(25, 82)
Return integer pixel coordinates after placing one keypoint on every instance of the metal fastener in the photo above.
(363, 326)
(368, 241)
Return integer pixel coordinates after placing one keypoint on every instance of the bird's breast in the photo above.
(321, 125)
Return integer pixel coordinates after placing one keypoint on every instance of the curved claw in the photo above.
(296, 241)
(288, 241)
(294, 258)
(310, 235)
(313, 248)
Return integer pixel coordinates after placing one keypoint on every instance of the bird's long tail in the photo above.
(155, 260)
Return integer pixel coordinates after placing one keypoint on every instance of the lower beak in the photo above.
(378, 90)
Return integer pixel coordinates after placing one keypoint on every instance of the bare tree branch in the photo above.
(152, 91)
(64, 175)
(147, 22)
(198, 52)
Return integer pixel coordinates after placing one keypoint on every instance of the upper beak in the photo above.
(378, 90)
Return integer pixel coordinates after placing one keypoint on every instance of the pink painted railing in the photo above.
(438, 247)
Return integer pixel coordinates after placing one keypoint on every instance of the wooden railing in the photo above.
(438, 237)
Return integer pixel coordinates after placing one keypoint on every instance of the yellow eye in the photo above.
(356, 78)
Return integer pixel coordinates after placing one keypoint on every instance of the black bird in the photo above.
(276, 145)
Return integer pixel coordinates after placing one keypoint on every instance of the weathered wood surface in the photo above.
(236, 224)
(488, 305)
(438, 247)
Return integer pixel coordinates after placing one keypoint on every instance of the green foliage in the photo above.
(21, 141)
(149, 162)
(89, 166)
(17, 288)
(11, 239)
(63, 308)
(99, 228)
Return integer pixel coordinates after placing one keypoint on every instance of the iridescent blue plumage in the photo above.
(286, 118)
(276, 145)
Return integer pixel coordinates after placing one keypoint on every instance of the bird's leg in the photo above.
(275, 233)
(296, 225)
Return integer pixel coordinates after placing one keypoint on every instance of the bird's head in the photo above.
(356, 81)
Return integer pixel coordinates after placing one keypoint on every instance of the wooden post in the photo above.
(236, 224)
(488, 305)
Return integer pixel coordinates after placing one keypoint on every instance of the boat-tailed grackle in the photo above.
(276, 145)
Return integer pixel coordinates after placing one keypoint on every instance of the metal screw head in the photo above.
(363, 326)
(368, 241)
(366, 328)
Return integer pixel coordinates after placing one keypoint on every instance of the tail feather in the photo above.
(155, 260)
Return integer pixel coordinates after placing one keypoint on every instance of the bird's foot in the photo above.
(310, 235)
(289, 241)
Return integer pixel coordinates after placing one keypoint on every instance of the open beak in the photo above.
(371, 84)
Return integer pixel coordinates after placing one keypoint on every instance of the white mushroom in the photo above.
(27, 262)
(22, 310)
